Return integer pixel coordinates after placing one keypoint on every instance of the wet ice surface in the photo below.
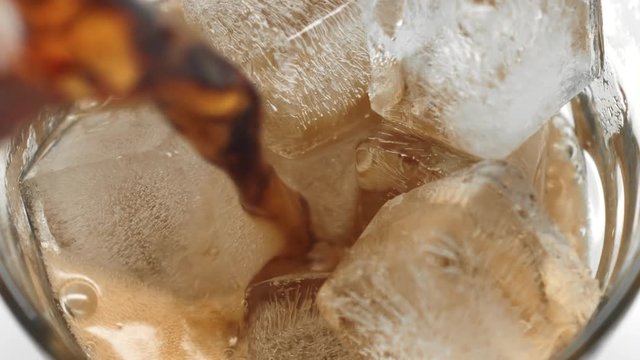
(553, 161)
(308, 59)
(284, 322)
(392, 162)
(438, 273)
(608, 100)
(484, 75)
(120, 190)
(563, 191)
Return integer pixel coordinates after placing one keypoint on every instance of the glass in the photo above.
(613, 170)
(24, 284)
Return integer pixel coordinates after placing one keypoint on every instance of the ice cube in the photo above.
(467, 267)
(484, 75)
(555, 165)
(308, 58)
(284, 323)
(326, 177)
(119, 189)
(392, 162)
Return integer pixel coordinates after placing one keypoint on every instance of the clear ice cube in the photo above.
(309, 59)
(483, 75)
(553, 161)
(283, 321)
(120, 190)
(467, 267)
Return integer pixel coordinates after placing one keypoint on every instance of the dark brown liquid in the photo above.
(101, 48)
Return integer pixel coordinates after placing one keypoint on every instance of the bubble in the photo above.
(79, 299)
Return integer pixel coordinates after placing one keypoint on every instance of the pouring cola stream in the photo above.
(60, 51)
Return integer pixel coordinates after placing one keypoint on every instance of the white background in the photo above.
(14, 342)
(623, 345)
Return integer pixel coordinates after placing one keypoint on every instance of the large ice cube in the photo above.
(308, 58)
(284, 322)
(466, 267)
(484, 75)
(119, 189)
